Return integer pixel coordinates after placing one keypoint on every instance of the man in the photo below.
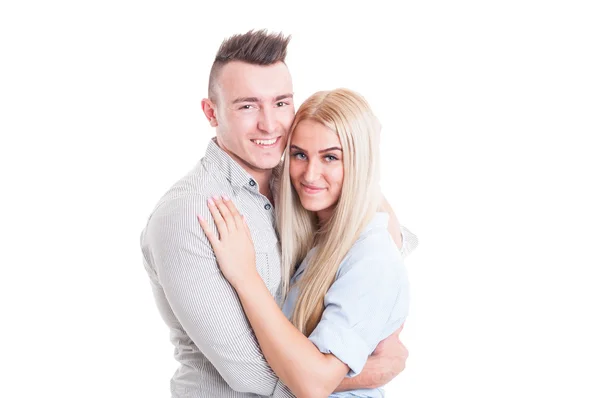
(250, 104)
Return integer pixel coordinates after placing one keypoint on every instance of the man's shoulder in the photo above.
(177, 210)
(193, 188)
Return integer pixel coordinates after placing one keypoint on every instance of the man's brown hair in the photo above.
(253, 47)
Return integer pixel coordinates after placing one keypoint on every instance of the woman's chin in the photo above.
(312, 205)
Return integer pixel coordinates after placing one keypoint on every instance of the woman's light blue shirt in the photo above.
(367, 302)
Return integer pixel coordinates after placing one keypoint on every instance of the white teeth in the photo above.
(265, 142)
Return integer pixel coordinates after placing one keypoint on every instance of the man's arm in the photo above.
(404, 239)
(202, 300)
(387, 361)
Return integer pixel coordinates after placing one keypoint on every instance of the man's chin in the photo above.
(267, 162)
(265, 166)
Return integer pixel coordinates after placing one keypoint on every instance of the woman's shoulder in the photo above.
(375, 237)
(374, 248)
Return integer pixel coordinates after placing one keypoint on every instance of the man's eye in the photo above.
(280, 104)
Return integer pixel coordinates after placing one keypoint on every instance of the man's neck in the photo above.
(261, 176)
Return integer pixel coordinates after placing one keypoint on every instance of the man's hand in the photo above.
(391, 355)
(394, 227)
(386, 362)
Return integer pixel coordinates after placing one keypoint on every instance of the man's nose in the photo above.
(267, 122)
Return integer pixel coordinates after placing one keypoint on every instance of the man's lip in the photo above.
(266, 139)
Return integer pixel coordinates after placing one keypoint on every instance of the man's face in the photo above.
(254, 111)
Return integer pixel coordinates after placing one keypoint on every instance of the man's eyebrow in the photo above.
(284, 96)
(245, 99)
(256, 99)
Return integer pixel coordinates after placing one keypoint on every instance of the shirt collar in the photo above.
(235, 174)
(219, 159)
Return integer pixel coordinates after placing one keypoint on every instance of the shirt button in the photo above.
(267, 207)
(252, 183)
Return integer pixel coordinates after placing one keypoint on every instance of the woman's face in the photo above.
(316, 167)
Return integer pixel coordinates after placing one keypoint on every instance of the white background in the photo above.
(491, 114)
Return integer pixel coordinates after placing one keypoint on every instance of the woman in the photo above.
(348, 288)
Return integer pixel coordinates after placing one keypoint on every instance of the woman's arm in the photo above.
(295, 359)
(299, 364)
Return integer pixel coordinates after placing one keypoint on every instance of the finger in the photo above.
(225, 213)
(212, 238)
(219, 221)
(237, 218)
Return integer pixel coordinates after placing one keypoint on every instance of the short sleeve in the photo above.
(365, 304)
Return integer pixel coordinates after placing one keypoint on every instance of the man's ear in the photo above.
(208, 107)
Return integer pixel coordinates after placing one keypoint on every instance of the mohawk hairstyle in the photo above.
(253, 47)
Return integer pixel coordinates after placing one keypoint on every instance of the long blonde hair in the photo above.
(348, 114)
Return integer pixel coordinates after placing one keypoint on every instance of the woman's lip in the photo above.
(311, 189)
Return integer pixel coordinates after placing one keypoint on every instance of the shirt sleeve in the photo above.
(359, 305)
(202, 300)
(282, 391)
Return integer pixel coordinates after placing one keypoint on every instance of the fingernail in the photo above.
(216, 197)
(210, 202)
(225, 197)
(200, 218)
